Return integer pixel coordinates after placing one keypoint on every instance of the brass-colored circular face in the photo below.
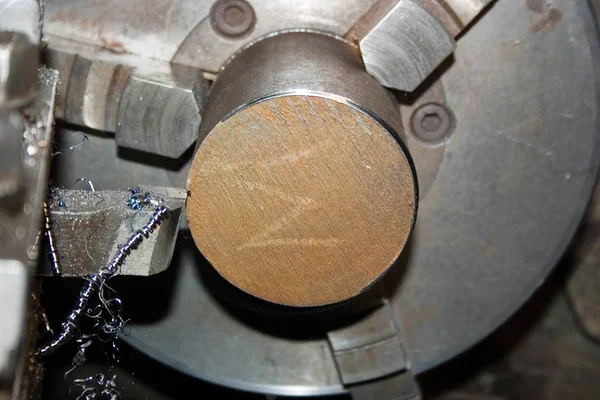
(300, 200)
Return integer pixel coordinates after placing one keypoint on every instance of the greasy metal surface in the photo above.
(455, 15)
(89, 91)
(403, 41)
(374, 327)
(444, 14)
(511, 188)
(89, 226)
(369, 348)
(181, 30)
(405, 46)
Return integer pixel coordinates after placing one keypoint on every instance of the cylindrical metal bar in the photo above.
(288, 62)
(302, 191)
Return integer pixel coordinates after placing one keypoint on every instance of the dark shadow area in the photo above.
(81, 152)
(391, 282)
(492, 352)
(139, 377)
(142, 157)
(294, 322)
(145, 299)
(409, 98)
(73, 136)
(289, 322)
(63, 125)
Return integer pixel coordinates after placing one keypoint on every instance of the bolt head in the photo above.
(432, 123)
(232, 18)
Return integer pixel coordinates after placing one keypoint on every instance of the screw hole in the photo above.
(432, 123)
(232, 18)
(234, 15)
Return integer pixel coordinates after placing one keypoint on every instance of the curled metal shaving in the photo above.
(90, 184)
(51, 242)
(91, 385)
(70, 149)
(97, 281)
(138, 200)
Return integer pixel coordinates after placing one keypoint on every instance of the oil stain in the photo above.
(551, 15)
(550, 19)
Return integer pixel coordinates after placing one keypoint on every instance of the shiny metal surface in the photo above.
(255, 73)
(405, 46)
(160, 119)
(511, 188)
(403, 41)
(101, 221)
(158, 113)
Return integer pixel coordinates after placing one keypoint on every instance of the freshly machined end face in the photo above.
(301, 199)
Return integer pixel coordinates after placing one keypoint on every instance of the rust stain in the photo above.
(114, 46)
(551, 17)
(319, 223)
(537, 6)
